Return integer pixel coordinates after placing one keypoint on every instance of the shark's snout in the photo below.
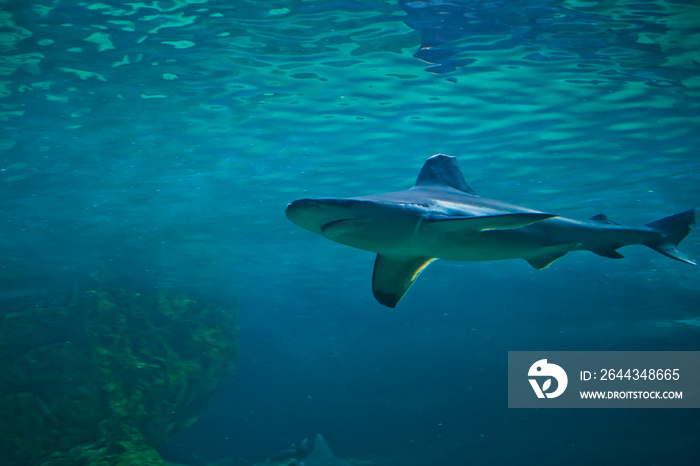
(318, 215)
(297, 210)
(312, 214)
(300, 204)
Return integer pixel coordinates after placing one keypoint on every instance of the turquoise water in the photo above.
(158, 143)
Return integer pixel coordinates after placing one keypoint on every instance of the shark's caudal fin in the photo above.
(442, 170)
(393, 276)
(671, 231)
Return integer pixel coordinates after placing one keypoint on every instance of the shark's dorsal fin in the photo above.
(602, 218)
(393, 276)
(321, 454)
(442, 170)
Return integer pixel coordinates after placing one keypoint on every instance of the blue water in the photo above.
(158, 144)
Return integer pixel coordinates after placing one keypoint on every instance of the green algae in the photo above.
(107, 378)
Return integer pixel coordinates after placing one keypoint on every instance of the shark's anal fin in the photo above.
(549, 254)
(394, 275)
(609, 252)
(487, 222)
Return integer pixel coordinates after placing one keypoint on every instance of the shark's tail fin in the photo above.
(672, 230)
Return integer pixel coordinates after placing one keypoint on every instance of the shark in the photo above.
(441, 217)
(321, 454)
(312, 451)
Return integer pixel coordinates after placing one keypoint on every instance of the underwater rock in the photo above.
(105, 379)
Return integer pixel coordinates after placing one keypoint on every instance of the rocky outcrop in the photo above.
(106, 378)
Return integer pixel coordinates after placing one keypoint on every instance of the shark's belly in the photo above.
(523, 243)
(387, 234)
(401, 236)
(487, 246)
(396, 234)
(492, 245)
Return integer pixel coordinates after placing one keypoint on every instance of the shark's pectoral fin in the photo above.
(394, 275)
(486, 222)
(549, 254)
